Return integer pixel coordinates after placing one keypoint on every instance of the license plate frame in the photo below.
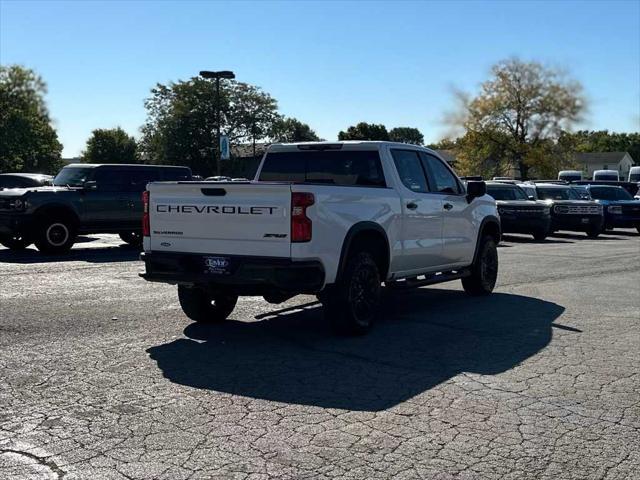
(216, 265)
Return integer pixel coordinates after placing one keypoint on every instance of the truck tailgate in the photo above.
(220, 218)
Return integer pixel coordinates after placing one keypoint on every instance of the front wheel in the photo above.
(202, 306)
(540, 235)
(16, 243)
(484, 271)
(56, 235)
(593, 232)
(352, 305)
(132, 238)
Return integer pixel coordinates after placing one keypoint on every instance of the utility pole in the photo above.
(218, 75)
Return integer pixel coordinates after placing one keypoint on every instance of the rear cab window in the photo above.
(346, 168)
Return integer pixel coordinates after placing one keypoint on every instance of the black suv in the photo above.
(84, 198)
(569, 211)
(518, 212)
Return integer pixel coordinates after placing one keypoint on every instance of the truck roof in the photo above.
(138, 165)
(343, 144)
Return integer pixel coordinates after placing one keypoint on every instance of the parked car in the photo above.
(570, 175)
(606, 175)
(634, 174)
(621, 210)
(84, 198)
(631, 187)
(330, 219)
(569, 212)
(518, 213)
(24, 180)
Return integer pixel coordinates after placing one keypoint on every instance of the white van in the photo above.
(606, 175)
(634, 174)
(570, 175)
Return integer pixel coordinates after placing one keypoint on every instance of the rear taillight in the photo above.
(301, 226)
(146, 226)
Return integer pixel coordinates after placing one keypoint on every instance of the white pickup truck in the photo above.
(331, 219)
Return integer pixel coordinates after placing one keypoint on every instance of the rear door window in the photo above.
(339, 168)
(410, 170)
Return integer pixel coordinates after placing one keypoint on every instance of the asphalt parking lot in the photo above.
(102, 376)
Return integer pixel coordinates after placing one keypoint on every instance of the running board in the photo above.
(430, 279)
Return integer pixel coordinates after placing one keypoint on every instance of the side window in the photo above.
(109, 179)
(174, 174)
(410, 170)
(139, 178)
(441, 178)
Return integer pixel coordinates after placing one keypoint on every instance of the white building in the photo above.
(589, 162)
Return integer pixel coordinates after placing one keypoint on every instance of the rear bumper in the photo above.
(245, 275)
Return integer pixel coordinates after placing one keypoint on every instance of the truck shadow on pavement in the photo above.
(425, 337)
(107, 254)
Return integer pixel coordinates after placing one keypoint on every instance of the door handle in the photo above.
(412, 205)
(447, 206)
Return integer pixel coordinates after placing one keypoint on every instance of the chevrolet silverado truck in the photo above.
(331, 219)
(84, 198)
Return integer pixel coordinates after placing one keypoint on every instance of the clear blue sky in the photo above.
(330, 64)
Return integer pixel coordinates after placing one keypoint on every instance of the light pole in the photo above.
(229, 75)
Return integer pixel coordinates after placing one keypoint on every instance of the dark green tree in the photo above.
(28, 141)
(288, 130)
(406, 135)
(112, 145)
(365, 131)
(604, 141)
(181, 121)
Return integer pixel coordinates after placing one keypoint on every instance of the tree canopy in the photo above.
(110, 146)
(406, 135)
(520, 111)
(603, 141)
(181, 120)
(365, 131)
(28, 141)
(288, 130)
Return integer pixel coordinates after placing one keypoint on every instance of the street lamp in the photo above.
(229, 75)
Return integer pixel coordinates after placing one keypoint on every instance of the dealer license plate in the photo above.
(217, 265)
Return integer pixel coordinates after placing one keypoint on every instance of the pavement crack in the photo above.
(50, 464)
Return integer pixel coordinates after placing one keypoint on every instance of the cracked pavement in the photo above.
(103, 377)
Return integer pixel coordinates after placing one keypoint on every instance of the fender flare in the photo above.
(348, 239)
(489, 219)
(69, 210)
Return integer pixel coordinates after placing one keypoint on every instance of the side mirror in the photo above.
(90, 185)
(531, 197)
(475, 189)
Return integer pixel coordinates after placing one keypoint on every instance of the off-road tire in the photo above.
(593, 233)
(204, 307)
(352, 304)
(484, 271)
(55, 235)
(131, 238)
(540, 235)
(16, 243)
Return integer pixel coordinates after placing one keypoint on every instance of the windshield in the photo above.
(557, 193)
(634, 177)
(606, 176)
(72, 176)
(569, 177)
(506, 193)
(610, 193)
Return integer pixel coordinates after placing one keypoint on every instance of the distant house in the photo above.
(590, 162)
